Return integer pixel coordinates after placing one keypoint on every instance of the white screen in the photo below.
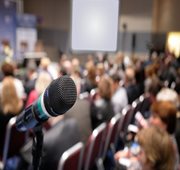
(94, 25)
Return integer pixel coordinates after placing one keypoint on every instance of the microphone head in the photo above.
(60, 96)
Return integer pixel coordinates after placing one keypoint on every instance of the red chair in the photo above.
(146, 104)
(93, 147)
(127, 112)
(14, 140)
(113, 131)
(72, 158)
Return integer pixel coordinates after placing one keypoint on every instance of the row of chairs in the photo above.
(13, 141)
(103, 138)
(92, 154)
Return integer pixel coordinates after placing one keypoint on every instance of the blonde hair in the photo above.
(43, 80)
(9, 98)
(158, 148)
(45, 62)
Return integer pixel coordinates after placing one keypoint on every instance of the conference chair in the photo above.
(94, 93)
(72, 158)
(112, 134)
(145, 106)
(127, 112)
(84, 95)
(14, 140)
(141, 104)
(93, 147)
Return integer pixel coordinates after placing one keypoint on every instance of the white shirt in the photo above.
(119, 100)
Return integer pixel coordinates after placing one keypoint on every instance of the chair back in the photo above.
(145, 107)
(93, 146)
(142, 104)
(72, 158)
(14, 140)
(112, 132)
(128, 115)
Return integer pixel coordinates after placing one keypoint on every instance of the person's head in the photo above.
(7, 69)
(75, 63)
(44, 63)
(115, 82)
(67, 65)
(9, 99)
(43, 80)
(129, 75)
(164, 115)
(168, 94)
(105, 87)
(150, 71)
(91, 72)
(100, 70)
(157, 151)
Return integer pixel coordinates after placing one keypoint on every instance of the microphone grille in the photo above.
(62, 95)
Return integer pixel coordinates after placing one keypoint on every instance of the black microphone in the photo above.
(58, 98)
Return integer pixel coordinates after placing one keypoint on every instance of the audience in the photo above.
(63, 134)
(155, 151)
(164, 117)
(112, 84)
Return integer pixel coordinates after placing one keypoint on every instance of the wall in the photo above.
(55, 23)
(166, 15)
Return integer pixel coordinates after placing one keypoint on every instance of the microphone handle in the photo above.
(26, 119)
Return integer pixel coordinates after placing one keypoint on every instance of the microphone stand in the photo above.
(37, 147)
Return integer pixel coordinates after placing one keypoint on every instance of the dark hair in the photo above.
(115, 77)
(7, 69)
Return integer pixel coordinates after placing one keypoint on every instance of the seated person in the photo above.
(119, 98)
(63, 134)
(153, 151)
(10, 105)
(101, 107)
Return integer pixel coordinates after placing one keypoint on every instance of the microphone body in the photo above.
(58, 98)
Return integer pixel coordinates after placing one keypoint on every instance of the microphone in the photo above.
(58, 98)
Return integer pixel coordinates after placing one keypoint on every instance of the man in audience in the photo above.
(130, 85)
(119, 98)
(63, 134)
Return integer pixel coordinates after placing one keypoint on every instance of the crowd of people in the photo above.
(105, 85)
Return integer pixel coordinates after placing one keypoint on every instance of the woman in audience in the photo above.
(43, 80)
(164, 116)
(155, 151)
(101, 108)
(90, 80)
(8, 69)
(10, 105)
(151, 79)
